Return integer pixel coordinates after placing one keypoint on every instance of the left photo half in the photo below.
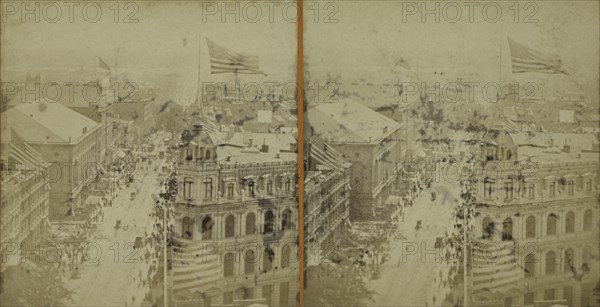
(149, 153)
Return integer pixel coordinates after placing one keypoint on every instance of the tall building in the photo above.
(25, 194)
(69, 141)
(368, 140)
(537, 212)
(235, 234)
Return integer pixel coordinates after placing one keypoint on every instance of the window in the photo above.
(588, 185)
(531, 190)
(568, 295)
(570, 222)
(587, 220)
(208, 188)
(508, 190)
(286, 220)
(187, 187)
(489, 156)
(552, 189)
(188, 155)
(568, 264)
(549, 294)
(529, 298)
(230, 190)
(229, 226)
(267, 293)
(269, 222)
(507, 229)
(551, 226)
(508, 155)
(284, 293)
(570, 187)
(228, 298)
(488, 228)
(187, 228)
(530, 262)
(251, 188)
(285, 256)
(250, 224)
(288, 184)
(249, 260)
(229, 262)
(268, 257)
(207, 226)
(488, 189)
(270, 187)
(530, 227)
(550, 262)
(248, 294)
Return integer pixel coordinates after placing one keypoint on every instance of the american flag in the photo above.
(525, 59)
(223, 60)
(23, 154)
(195, 269)
(495, 268)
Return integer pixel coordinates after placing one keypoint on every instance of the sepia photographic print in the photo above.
(300, 153)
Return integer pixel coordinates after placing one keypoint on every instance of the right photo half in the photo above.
(451, 153)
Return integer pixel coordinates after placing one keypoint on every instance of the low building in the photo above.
(370, 141)
(69, 141)
(236, 235)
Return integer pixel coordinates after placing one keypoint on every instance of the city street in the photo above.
(120, 277)
(421, 275)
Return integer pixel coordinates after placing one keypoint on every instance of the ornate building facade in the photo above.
(236, 234)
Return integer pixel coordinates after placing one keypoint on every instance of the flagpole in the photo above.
(198, 86)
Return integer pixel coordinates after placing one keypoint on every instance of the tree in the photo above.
(336, 285)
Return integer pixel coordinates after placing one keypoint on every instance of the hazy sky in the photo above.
(369, 34)
(166, 36)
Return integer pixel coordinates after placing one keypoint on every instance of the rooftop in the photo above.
(349, 122)
(48, 122)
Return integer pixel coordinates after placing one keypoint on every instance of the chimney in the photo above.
(265, 148)
(579, 155)
(385, 130)
(277, 155)
(551, 142)
(250, 141)
(566, 148)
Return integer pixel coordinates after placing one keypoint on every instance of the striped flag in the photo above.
(24, 155)
(195, 268)
(525, 59)
(223, 60)
(103, 64)
(495, 268)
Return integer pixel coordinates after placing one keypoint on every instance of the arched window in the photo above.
(550, 262)
(250, 224)
(586, 256)
(587, 220)
(207, 226)
(187, 228)
(188, 155)
(551, 225)
(569, 261)
(508, 155)
(229, 226)
(208, 188)
(269, 222)
(208, 155)
(229, 263)
(249, 261)
(285, 256)
(187, 187)
(530, 262)
(270, 187)
(507, 229)
(530, 227)
(286, 219)
(488, 228)
(268, 257)
(570, 222)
